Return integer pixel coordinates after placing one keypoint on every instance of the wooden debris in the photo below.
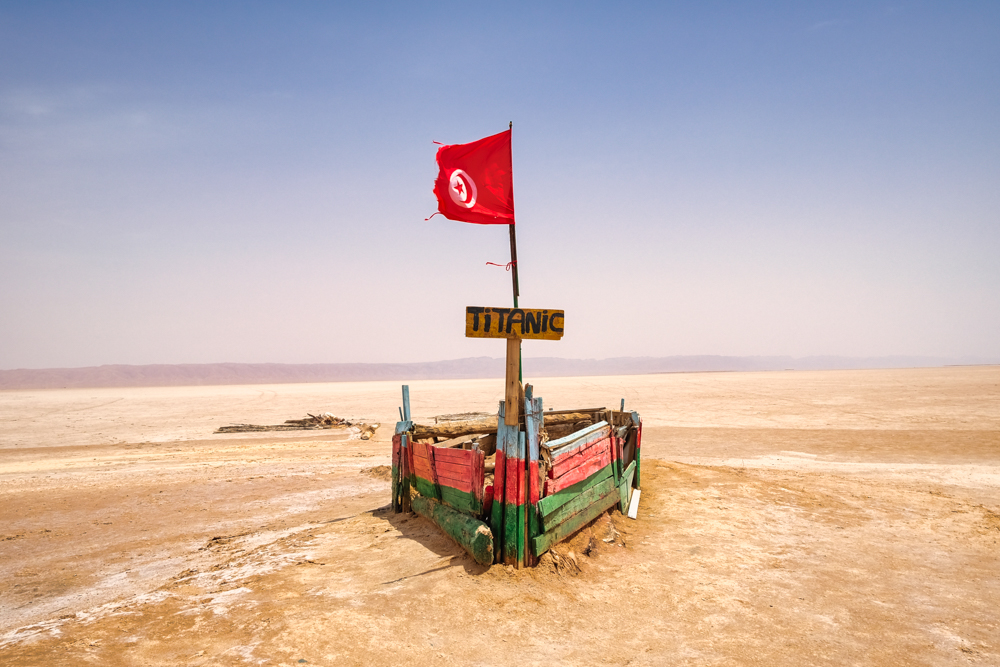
(309, 423)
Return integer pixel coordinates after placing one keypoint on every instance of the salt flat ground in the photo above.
(796, 518)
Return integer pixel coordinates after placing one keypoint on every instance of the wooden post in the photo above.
(499, 487)
(533, 421)
(508, 437)
(406, 469)
(638, 455)
(513, 390)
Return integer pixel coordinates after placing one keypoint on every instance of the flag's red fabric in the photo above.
(475, 181)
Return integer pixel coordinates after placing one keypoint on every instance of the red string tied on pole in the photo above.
(508, 265)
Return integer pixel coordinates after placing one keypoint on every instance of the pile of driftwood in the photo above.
(309, 423)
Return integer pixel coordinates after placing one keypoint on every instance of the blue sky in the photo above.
(207, 182)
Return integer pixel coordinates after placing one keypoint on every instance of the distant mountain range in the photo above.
(169, 375)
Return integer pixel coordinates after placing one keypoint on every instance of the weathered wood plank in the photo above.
(580, 438)
(405, 473)
(512, 395)
(527, 323)
(578, 474)
(578, 457)
(625, 486)
(462, 457)
(512, 479)
(522, 474)
(499, 490)
(533, 422)
(550, 503)
(471, 534)
(396, 508)
(460, 500)
(638, 449)
(633, 506)
(484, 425)
(582, 501)
(455, 470)
(543, 542)
(425, 487)
(463, 485)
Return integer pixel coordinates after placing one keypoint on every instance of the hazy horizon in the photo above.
(185, 183)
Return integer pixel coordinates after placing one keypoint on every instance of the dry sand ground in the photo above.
(800, 518)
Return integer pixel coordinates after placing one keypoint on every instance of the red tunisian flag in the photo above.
(476, 182)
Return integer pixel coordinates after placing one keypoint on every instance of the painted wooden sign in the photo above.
(529, 323)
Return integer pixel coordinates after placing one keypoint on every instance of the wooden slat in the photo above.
(543, 542)
(588, 411)
(533, 421)
(453, 469)
(581, 438)
(578, 474)
(638, 450)
(581, 502)
(460, 500)
(564, 464)
(496, 513)
(463, 485)
(405, 473)
(625, 486)
(512, 479)
(456, 456)
(396, 508)
(512, 394)
(522, 498)
(633, 506)
(425, 487)
(548, 504)
(479, 475)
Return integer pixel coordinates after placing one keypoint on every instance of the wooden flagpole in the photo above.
(512, 395)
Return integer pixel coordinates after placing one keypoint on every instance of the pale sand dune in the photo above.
(788, 518)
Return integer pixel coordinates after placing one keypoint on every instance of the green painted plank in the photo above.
(497, 518)
(460, 500)
(544, 542)
(625, 486)
(582, 501)
(556, 500)
(513, 478)
(425, 488)
(471, 534)
(521, 488)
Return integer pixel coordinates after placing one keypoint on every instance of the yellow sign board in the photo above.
(482, 322)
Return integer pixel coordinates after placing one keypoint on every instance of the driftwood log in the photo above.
(487, 425)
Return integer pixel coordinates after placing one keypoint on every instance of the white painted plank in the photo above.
(633, 507)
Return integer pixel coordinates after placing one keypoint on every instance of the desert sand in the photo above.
(787, 518)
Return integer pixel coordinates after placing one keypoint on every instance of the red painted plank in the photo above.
(499, 475)
(578, 474)
(581, 458)
(459, 456)
(511, 480)
(454, 470)
(565, 456)
(424, 468)
(581, 454)
(419, 449)
(533, 482)
(479, 475)
(462, 485)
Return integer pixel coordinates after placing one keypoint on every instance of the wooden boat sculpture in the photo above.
(508, 493)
